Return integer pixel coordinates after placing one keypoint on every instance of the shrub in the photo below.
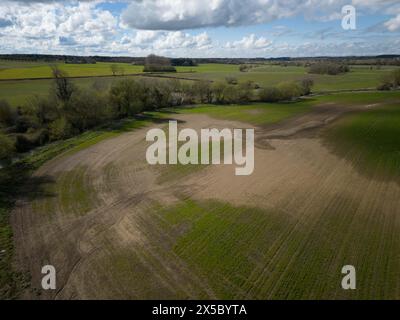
(7, 114)
(270, 94)
(231, 80)
(230, 95)
(384, 87)
(60, 129)
(218, 91)
(86, 109)
(128, 97)
(306, 84)
(38, 137)
(27, 141)
(45, 110)
(245, 91)
(185, 94)
(7, 147)
(161, 95)
(289, 90)
(26, 119)
(23, 143)
(390, 81)
(203, 91)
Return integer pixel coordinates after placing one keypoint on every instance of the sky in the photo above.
(199, 28)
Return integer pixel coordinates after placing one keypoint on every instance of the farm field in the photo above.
(360, 77)
(325, 192)
(17, 92)
(10, 70)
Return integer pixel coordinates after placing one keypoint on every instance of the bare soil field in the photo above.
(114, 228)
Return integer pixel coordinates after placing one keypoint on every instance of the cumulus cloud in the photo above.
(179, 39)
(393, 24)
(160, 26)
(250, 42)
(173, 43)
(190, 14)
(55, 24)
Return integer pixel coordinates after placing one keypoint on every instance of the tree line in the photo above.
(69, 110)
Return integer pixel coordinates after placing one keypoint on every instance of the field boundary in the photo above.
(154, 75)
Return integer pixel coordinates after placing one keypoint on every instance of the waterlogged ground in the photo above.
(116, 227)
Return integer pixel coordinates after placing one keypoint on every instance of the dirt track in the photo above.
(295, 174)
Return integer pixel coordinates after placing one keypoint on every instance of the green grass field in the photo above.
(360, 77)
(22, 70)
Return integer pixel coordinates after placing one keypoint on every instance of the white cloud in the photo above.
(157, 26)
(250, 42)
(179, 39)
(393, 24)
(52, 24)
(172, 43)
(189, 14)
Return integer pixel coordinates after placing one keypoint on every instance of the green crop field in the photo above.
(370, 139)
(26, 70)
(257, 113)
(22, 70)
(249, 253)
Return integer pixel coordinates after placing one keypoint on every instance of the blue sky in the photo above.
(198, 28)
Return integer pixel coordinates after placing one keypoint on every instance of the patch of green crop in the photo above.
(370, 140)
(76, 195)
(256, 113)
(252, 253)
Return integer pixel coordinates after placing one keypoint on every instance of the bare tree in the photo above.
(63, 86)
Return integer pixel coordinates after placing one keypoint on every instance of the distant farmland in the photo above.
(360, 77)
